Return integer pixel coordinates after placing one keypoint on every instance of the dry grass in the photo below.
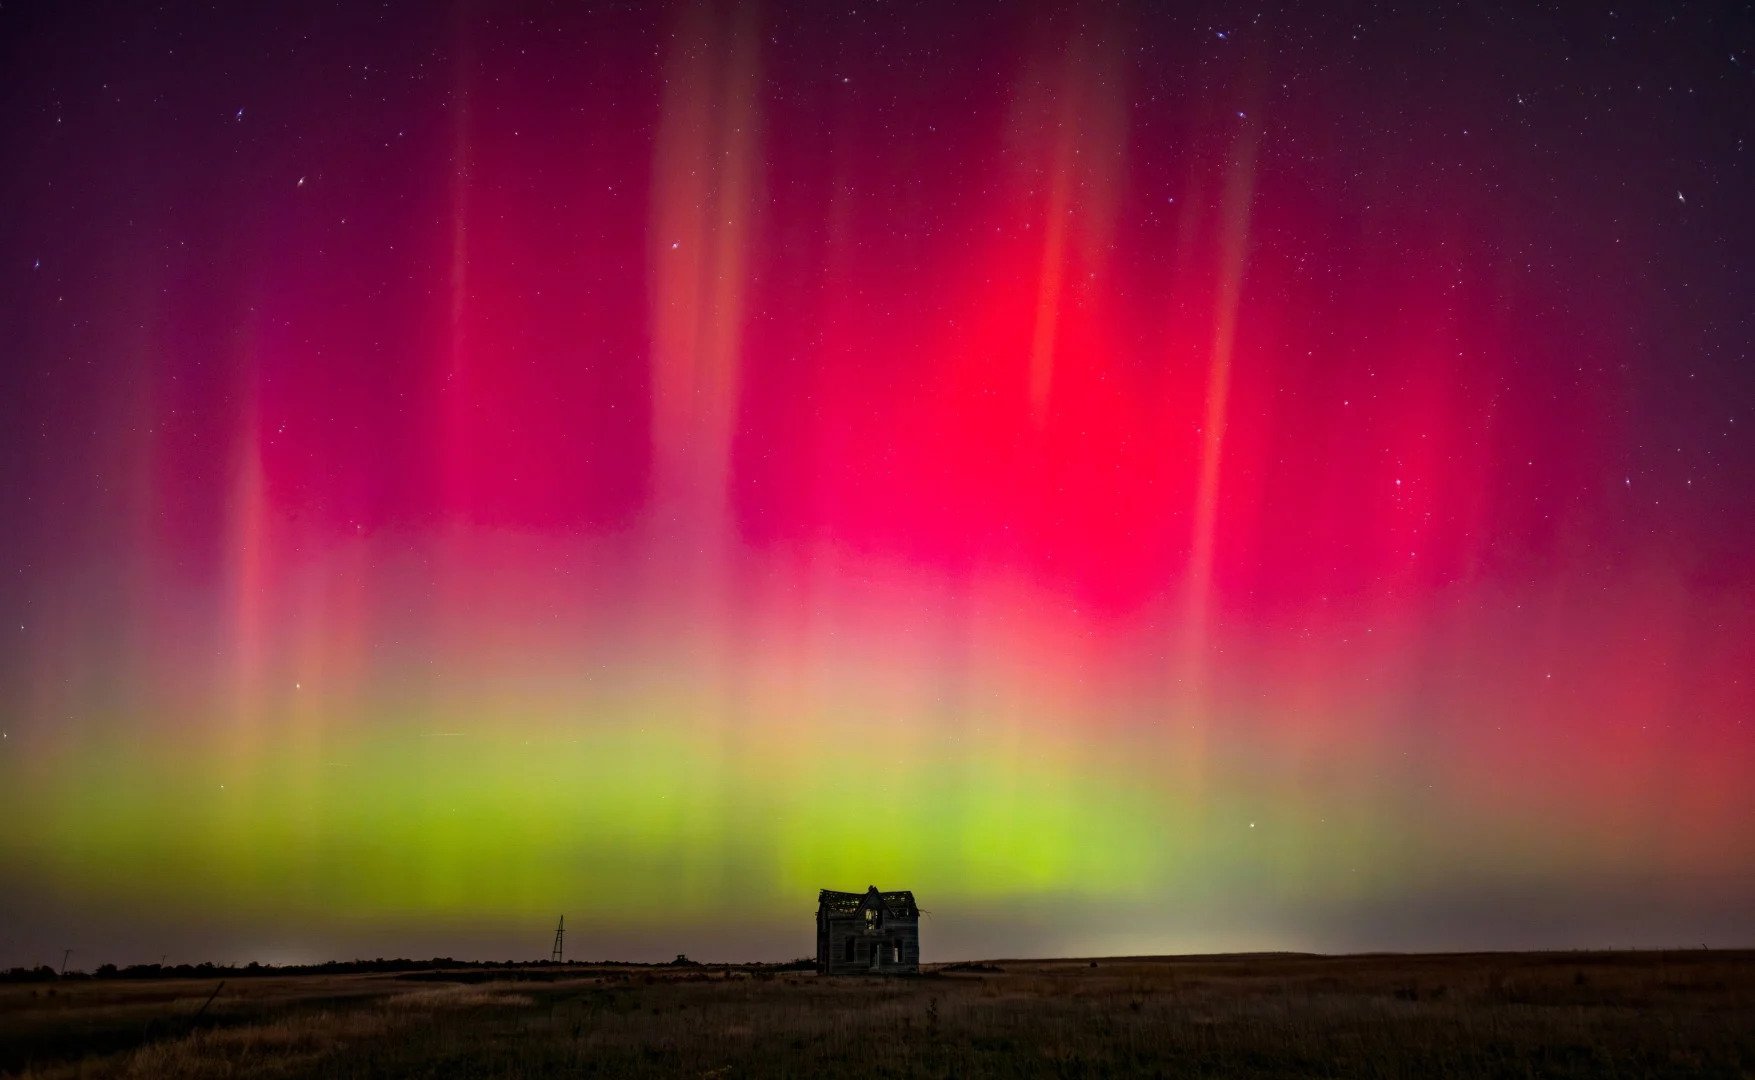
(455, 997)
(289, 1046)
(1555, 1015)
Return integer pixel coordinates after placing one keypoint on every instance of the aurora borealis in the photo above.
(1145, 481)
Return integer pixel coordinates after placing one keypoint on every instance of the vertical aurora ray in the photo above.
(1188, 737)
(660, 463)
(702, 207)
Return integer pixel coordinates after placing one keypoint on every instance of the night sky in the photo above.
(1147, 478)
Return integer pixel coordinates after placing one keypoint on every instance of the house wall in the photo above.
(834, 933)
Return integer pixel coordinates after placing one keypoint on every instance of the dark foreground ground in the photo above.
(1502, 1015)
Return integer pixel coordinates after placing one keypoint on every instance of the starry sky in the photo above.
(1146, 477)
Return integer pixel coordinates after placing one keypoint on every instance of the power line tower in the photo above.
(560, 932)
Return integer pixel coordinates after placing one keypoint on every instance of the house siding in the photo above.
(847, 942)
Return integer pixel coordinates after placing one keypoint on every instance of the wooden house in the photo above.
(869, 933)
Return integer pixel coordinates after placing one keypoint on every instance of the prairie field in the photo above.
(1604, 1014)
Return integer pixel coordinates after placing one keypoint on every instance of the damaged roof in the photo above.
(900, 902)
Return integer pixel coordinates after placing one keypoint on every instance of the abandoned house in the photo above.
(867, 933)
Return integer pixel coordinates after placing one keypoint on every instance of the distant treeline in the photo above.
(45, 973)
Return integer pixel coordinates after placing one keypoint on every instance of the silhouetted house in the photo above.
(867, 933)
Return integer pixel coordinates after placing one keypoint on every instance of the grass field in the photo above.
(1500, 1015)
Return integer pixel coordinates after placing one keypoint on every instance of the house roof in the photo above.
(899, 902)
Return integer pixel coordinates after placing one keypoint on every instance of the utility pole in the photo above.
(560, 932)
(65, 953)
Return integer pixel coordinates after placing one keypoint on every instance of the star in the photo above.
(1679, 198)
